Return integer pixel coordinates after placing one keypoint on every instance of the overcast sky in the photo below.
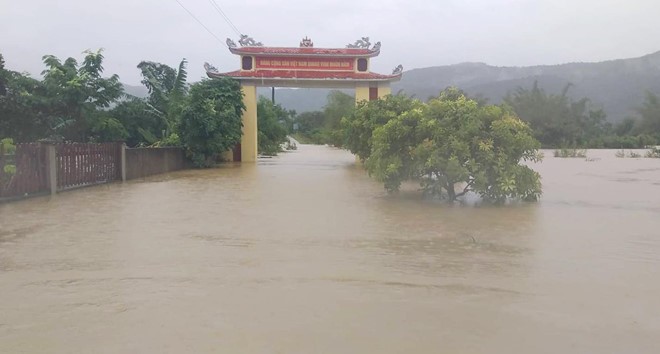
(413, 33)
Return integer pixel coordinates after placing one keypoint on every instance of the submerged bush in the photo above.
(565, 153)
(630, 154)
(453, 146)
(654, 152)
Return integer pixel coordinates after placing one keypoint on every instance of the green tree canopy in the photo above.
(649, 114)
(211, 121)
(359, 125)
(167, 92)
(4, 76)
(453, 142)
(143, 126)
(19, 107)
(309, 122)
(272, 132)
(339, 106)
(74, 93)
(557, 120)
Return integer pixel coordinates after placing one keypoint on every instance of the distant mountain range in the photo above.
(618, 86)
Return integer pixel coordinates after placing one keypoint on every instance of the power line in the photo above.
(222, 13)
(198, 21)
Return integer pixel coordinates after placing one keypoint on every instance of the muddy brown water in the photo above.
(305, 254)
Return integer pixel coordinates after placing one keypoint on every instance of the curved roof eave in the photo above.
(379, 78)
(305, 52)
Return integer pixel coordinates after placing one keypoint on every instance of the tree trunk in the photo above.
(451, 193)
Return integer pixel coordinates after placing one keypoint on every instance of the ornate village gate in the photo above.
(305, 67)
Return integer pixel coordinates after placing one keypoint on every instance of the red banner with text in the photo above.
(312, 64)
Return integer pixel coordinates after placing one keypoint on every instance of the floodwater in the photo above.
(303, 253)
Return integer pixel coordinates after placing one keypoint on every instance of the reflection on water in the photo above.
(304, 253)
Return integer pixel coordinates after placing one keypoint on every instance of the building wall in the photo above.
(361, 93)
(384, 89)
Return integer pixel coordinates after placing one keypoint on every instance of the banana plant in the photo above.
(167, 91)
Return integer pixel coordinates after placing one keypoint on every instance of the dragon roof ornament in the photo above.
(247, 41)
(210, 68)
(360, 43)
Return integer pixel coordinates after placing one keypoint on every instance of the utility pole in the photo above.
(273, 94)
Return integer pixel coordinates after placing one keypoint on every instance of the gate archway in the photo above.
(303, 67)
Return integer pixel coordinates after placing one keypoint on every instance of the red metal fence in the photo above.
(77, 165)
(85, 164)
(29, 176)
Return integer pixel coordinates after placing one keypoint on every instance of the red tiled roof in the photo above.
(305, 75)
(295, 51)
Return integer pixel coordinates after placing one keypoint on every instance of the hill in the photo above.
(618, 86)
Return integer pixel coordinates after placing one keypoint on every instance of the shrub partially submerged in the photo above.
(565, 152)
(451, 141)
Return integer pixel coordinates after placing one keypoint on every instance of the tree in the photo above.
(105, 128)
(359, 125)
(650, 115)
(4, 77)
(453, 141)
(271, 133)
(211, 120)
(392, 159)
(339, 105)
(21, 118)
(309, 122)
(143, 126)
(310, 127)
(74, 93)
(625, 127)
(557, 120)
(324, 127)
(167, 92)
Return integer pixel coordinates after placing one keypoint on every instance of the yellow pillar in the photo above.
(361, 93)
(249, 138)
(384, 89)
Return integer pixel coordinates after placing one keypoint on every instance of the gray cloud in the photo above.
(414, 33)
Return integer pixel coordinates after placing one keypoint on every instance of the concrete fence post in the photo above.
(51, 167)
(123, 162)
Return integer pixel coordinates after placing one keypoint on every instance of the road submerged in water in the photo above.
(303, 253)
